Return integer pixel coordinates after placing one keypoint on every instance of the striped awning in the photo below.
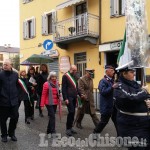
(68, 3)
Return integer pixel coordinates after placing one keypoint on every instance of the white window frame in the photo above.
(114, 8)
(26, 1)
(45, 22)
(26, 28)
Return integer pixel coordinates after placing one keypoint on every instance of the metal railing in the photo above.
(84, 24)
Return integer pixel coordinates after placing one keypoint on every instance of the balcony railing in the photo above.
(78, 26)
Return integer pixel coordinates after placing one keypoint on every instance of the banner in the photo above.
(137, 33)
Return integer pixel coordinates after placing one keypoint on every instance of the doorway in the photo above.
(111, 58)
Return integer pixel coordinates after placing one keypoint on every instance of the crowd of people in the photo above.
(123, 100)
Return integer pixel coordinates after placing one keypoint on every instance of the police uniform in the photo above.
(107, 109)
(132, 118)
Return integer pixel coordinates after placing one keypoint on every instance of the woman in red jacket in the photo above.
(50, 97)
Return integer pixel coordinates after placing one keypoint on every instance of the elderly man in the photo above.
(85, 86)
(107, 110)
(69, 92)
(8, 101)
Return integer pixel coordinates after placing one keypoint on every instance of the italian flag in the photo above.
(124, 53)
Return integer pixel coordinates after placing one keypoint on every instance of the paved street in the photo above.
(29, 139)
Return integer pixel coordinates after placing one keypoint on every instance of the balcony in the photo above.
(84, 27)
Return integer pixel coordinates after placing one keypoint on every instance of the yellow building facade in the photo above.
(88, 32)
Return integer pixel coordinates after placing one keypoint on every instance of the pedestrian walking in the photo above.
(41, 79)
(70, 92)
(33, 94)
(133, 118)
(8, 101)
(50, 99)
(107, 108)
(24, 95)
(85, 87)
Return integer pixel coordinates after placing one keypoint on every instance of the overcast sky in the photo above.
(9, 22)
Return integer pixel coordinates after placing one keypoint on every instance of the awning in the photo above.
(67, 3)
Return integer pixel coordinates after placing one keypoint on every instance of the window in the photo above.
(48, 23)
(80, 61)
(29, 28)
(26, 1)
(117, 7)
(1, 57)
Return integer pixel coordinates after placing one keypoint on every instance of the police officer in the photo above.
(107, 109)
(132, 117)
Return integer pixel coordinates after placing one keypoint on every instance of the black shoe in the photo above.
(78, 125)
(41, 115)
(27, 121)
(73, 131)
(4, 139)
(32, 117)
(13, 138)
(68, 132)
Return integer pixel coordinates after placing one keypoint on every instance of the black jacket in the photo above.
(22, 94)
(41, 79)
(129, 96)
(8, 88)
(68, 89)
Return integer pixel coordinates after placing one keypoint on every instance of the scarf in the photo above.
(52, 85)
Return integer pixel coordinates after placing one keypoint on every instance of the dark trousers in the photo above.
(27, 107)
(5, 113)
(39, 99)
(105, 119)
(31, 109)
(51, 124)
(71, 113)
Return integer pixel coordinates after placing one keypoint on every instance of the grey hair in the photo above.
(52, 73)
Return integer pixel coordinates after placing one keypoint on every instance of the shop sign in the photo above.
(64, 64)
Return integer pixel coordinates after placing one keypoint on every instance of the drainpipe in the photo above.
(100, 15)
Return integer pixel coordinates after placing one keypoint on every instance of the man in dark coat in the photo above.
(69, 92)
(8, 101)
(107, 110)
(85, 86)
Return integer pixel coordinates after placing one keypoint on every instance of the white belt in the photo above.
(134, 114)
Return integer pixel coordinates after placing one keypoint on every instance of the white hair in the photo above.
(51, 74)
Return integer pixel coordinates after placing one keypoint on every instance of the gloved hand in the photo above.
(146, 88)
(147, 103)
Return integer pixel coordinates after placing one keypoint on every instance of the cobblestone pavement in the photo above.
(29, 136)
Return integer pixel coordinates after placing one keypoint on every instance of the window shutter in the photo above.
(44, 25)
(25, 30)
(123, 7)
(111, 7)
(54, 20)
(116, 7)
(33, 28)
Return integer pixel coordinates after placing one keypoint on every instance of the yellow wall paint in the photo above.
(112, 29)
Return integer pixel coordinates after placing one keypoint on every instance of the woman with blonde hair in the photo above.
(50, 98)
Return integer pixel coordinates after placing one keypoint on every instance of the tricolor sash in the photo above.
(71, 79)
(23, 86)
